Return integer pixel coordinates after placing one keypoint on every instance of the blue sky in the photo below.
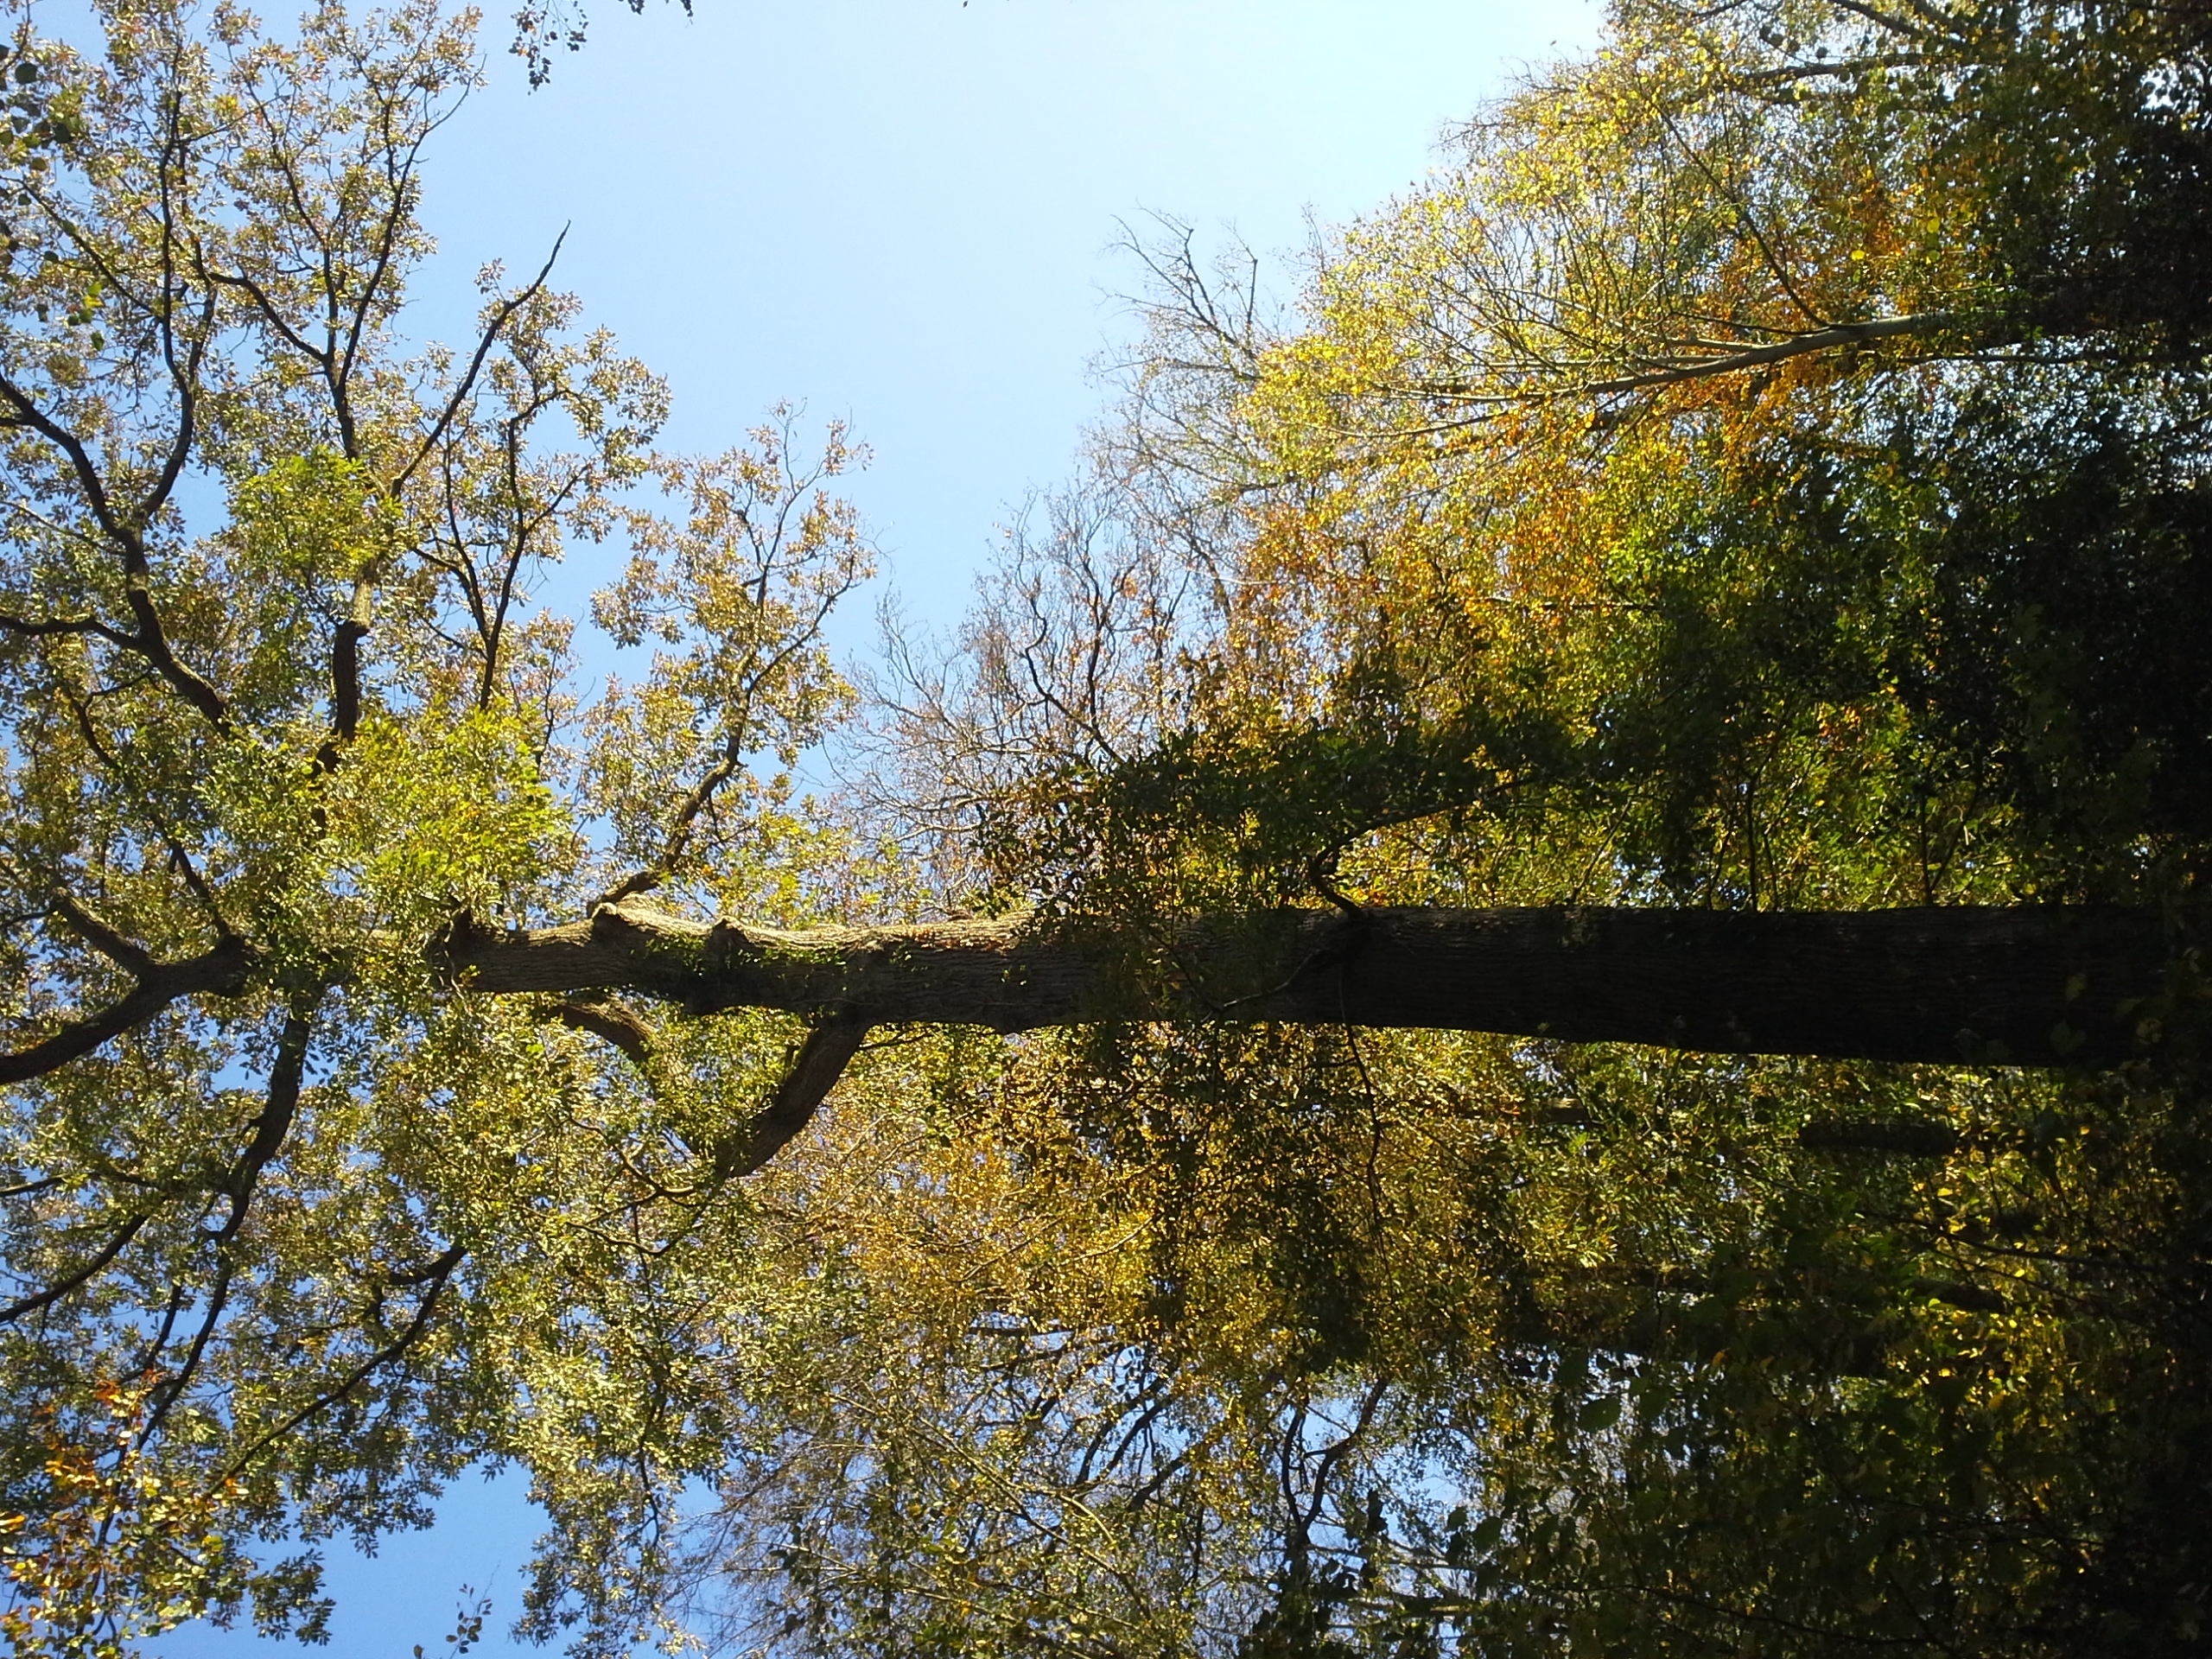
(903, 212)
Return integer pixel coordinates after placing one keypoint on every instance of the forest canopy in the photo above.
(1531, 984)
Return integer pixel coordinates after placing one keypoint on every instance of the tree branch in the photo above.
(2033, 985)
(104, 937)
(346, 674)
(221, 971)
(1836, 337)
(440, 1274)
(821, 1061)
(605, 1018)
(275, 1122)
(1904, 1136)
(40, 627)
(172, 1390)
(490, 337)
(54, 1293)
(150, 641)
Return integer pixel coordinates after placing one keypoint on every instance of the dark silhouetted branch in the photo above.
(55, 1292)
(221, 971)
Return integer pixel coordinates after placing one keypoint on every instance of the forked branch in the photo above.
(221, 971)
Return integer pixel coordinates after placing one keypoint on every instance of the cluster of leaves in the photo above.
(1289, 1343)
(120, 1551)
(1707, 457)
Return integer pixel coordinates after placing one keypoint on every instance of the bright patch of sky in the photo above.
(902, 212)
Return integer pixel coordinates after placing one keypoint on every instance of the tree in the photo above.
(1644, 602)
(1717, 492)
(278, 707)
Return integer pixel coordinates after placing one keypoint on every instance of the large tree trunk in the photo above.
(2031, 986)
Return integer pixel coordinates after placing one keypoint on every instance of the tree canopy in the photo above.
(1531, 984)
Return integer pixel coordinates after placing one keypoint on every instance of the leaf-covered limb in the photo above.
(124, 532)
(80, 1278)
(98, 932)
(434, 1282)
(1724, 359)
(43, 627)
(280, 1105)
(488, 338)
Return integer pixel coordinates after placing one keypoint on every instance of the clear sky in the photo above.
(903, 212)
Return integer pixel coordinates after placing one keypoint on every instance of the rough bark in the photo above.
(2032, 986)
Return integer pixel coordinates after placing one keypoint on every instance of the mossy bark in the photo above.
(2029, 986)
